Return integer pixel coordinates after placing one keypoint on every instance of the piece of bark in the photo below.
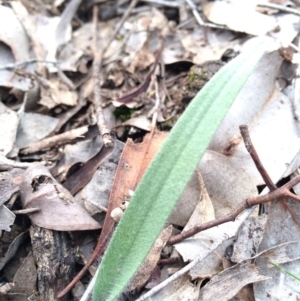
(55, 261)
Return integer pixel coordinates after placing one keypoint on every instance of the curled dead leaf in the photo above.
(58, 210)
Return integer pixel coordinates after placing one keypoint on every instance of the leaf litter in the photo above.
(45, 74)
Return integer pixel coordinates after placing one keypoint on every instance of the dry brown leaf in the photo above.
(150, 262)
(57, 93)
(58, 210)
(132, 165)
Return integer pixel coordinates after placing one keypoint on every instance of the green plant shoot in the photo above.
(168, 174)
(286, 271)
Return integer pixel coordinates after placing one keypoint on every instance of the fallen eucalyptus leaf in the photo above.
(168, 174)
(58, 209)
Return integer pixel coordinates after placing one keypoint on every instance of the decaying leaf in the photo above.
(85, 173)
(269, 116)
(56, 93)
(9, 183)
(228, 283)
(282, 226)
(132, 164)
(182, 289)
(249, 238)
(95, 195)
(26, 277)
(13, 248)
(34, 127)
(9, 131)
(239, 16)
(227, 186)
(263, 271)
(7, 218)
(58, 209)
(145, 270)
(14, 47)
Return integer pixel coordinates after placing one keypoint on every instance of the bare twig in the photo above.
(57, 140)
(26, 211)
(276, 193)
(199, 19)
(97, 65)
(165, 3)
(280, 7)
(157, 104)
(181, 272)
(251, 150)
(30, 61)
(171, 260)
(145, 85)
(103, 128)
(235, 215)
(132, 4)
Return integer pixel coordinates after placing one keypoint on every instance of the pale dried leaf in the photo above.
(239, 16)
(34, 127)
(280, 228)
(186, 204)
(182, 289)
(46, 33)
(227, 187)
(231, 281)
(8, 129)
(57, 93)
(270, 119)
(9, 183)
(249, 238)
(13, 34)
(58, 209)
(201, 242)
(14, 47)
(7, 218)
(96, 193)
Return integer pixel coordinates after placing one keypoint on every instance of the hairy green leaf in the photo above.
(168, 174)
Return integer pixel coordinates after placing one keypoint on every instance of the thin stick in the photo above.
(184, 270)
(27, 211)
(132, 4)
(280, 7)
(30, 61)
(103, 128)
(252, 151)
(56, 140)
(250, 148)
(276, 194)
(199, 19)
(165, 3)
(157, 103)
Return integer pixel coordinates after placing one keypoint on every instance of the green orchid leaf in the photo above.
(169, 172)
